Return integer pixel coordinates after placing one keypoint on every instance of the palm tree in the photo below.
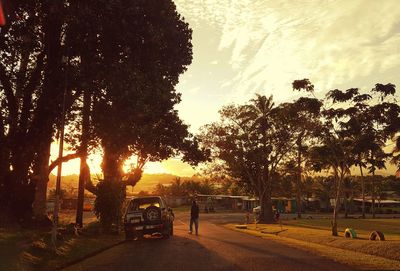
(259, 110)
(269, 132)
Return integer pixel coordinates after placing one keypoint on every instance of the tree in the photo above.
(385, 118)
(250, 141)
(31, 76)
(303, 120)
(369, 121)
(334, 152)
(115, 50)
(134, 115)
(334, 155)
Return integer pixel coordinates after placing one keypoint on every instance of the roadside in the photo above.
(23, 249)
(315, 235)
(215, 248)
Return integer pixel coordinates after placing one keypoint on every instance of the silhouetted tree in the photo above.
(251, 141)
(303, 120)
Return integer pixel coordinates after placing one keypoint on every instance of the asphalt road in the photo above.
(215, 248)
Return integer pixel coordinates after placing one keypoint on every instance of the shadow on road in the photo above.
(154, 253)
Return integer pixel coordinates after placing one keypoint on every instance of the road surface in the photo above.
(215, 248)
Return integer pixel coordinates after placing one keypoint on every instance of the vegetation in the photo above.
(264, 147)
(34, 250)
(112, 66)
(187, 188)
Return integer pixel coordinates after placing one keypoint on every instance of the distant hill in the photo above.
(147, 183)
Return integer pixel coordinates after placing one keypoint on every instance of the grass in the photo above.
(33, 250)
(390, 227)
(12, 243)
(315, 234)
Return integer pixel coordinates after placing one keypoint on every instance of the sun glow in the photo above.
(171, 166)
(149, 168)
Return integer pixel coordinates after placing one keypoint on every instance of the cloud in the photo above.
(263, 45)
(334, 43)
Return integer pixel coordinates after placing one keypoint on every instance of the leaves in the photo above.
(337, 95)
(303, 84)
(385, 90)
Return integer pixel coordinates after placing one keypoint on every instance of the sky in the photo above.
(243, 47)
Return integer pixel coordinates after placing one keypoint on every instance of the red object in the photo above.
(2, 16)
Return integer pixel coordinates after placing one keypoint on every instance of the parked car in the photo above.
(148, 215)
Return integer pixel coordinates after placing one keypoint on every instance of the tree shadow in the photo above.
(156, 253)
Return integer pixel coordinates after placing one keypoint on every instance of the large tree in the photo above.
(95, 54)
(251, 141)
(32, 84)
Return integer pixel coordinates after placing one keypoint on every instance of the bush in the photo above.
(108, 203)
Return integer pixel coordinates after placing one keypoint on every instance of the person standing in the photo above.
(194, 217)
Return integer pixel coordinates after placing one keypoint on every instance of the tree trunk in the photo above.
(111, 164)
(4, 154)
(84, 168)
(83, 178)
(373, 194)
(298, 181)
(362, 192)
(48, 104)
(266, 214)
(19, 191)
(337, 204)
(41, 174)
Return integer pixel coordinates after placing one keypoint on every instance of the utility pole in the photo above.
(60, 155)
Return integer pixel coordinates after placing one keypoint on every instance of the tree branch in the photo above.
(29, 89)
(11, 101)
(63, 160)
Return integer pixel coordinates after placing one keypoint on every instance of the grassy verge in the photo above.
(390, 227)
(316, 236)
(34, 250)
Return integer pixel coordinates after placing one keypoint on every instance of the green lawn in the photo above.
(388, 226)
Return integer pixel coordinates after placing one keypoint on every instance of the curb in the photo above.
(94, 253)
